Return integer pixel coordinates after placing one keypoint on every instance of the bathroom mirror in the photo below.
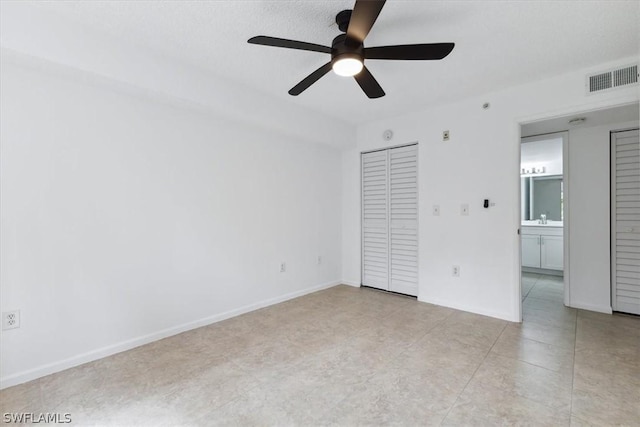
(542, 195)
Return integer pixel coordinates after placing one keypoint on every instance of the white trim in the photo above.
(591, 307)
(511, 317)
(50, 368)
(350, 283)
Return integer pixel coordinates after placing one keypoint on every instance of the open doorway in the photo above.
(581, 193)
(544, 191)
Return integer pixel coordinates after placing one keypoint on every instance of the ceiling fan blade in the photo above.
(369, 84)
(290, 44)
(364, 15)
(310, 79)
(410, 52)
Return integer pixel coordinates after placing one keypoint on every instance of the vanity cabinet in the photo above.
(542, 247)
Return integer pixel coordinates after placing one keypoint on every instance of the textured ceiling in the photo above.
(498, 44)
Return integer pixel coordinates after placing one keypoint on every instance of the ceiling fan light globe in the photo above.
(347, 67)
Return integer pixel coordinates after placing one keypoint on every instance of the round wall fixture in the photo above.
(387, 135)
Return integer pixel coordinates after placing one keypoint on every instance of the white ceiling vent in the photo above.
(612, 79)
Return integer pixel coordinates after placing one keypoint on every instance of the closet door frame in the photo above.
(388, 210)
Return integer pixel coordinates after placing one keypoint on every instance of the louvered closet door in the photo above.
(390, 220)
(403, 224)
(625, 191)
(375, 220)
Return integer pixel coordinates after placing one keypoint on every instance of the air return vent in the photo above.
(612, 79)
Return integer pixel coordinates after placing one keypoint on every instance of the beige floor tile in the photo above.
(483, 405)
(614, 319)
(434, 353)
(546, 334)
(273, 355)
(550, 388)
(546, 319)
(470, 329)
(577, 422)
(355, 356)
(605, 362)
(605, 408)
(267, 405)
(396, 397)
(21, 398)
(555, 358)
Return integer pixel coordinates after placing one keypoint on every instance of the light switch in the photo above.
(436, 210)
(464, 209)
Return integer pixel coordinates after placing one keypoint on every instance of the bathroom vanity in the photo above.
(542, 245)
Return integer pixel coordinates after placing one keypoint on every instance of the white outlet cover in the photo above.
(10, 319)
(455, 271)
(283, 267)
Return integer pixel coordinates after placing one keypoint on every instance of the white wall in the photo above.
(590, 215)
(46, 35)
(126, 219)
(480, 161)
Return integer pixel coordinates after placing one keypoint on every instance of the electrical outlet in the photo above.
(464, 209)
(10, 319)
(319, 259)
(445, 135)
(455, 271)
(283, 267)
(436, 210)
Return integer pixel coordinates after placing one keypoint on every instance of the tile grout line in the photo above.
(474, 374)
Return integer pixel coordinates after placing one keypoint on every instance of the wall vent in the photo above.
(612, 79)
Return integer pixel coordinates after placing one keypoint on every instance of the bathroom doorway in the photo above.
(543, 209)
(583, 199)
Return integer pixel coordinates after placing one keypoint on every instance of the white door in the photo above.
(403, 180)
(530, 251)
(552, 252)
(625, 221)
(390, 219)
(375, 220)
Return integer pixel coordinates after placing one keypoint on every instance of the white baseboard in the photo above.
(498, 315)
(351, 283)
(591, 307)
(90, 356)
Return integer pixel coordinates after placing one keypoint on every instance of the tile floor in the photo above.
(350, 356)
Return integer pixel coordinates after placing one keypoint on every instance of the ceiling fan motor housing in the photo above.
(342, 19)
(340, 49)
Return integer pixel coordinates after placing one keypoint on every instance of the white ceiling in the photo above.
(498, 44)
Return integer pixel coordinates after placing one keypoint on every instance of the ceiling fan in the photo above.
(348, 52)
